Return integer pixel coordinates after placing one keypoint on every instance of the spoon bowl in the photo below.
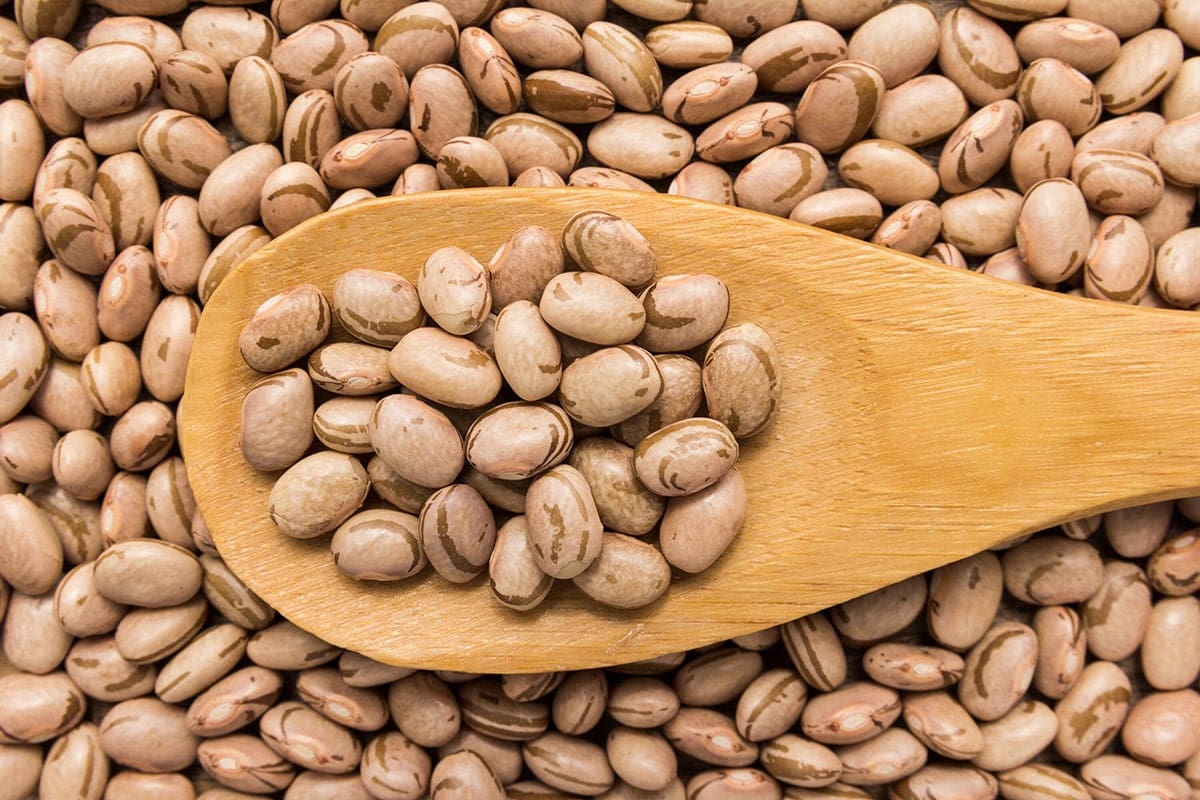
(927, 413)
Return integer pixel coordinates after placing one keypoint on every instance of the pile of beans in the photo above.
(625, 373)
(142, 157)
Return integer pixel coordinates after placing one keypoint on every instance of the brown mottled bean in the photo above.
(1017, 737)
(1091, 714)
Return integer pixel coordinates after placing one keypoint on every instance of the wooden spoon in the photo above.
(928, 413)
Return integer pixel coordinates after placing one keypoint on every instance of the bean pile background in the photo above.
(114, 704)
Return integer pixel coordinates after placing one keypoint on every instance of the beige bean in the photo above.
(126, 194)
(911, 228)
(61, 399)
(229, 34)
(709, 736)
(75, 521)
(1042, 151)
(234, 702)
(880, 614)
(644, 145)
(145, 635)
(180, 244)
(920, 111)
(513, 441)
(1172, 148)
(109, 78)
(1112, 776)
(200, 664)
(32, 640)
(942, 725)
(1117, 615)
(457, 531)
(912, 667)
(503, 758)
(1172, 568)
(1162, 728)
(256, 100)
(770, 705)
(692, 547)
(642, 702)
(610, 385)
(1135, 532)
(816, 651)
(75, 765)
(487, 710)
(980, 147)
(1017, 737)
(641, 758)
(1091, 714)
(627, 573)
(513, 574)
(193, 82)
(685, 457)
(395, 768)
(310, 127)
(563, 524)
(893, 173)
(31, 554)
(536, 38)
(978, 55)
(747, 19)
(368, 158)
(1132, 132)
(370, 90)
(317, 494)
(1120, 261)
(777, 179)
(291, 194)
(1086, 46)
(376, 307)
(232, 192)
(424, 709)
(310, 57)
(27, 449)
(796, 761)
(523, 266)
(166, 346)
(417, 35)
(38, 708)
(606, 244)
(441, 107)
(1040, 782)
(1052, 569)
(82, 464)
(688, 44)
(396, 437)
(939, 780)
(592, 307)
(148, 735)
(527, 352)
(746, 132)
(1168, 658)
(44, 63)
(567, 97)
(999, 668)
(284, 328)
(527, 140)
(464, 775)
(326, 692)
(981, 222)
(623, 503)
(851, 212)
(852, 713)
(21, 247)
(118, 133)
(351, 369)
(619, 60)
(900, 41)
(1062, 650)
(244, 762)
(469, 161)
(283, 646)
(75, 231)
(23, 148)
(1118, 182)
(1052, 89)
(128, 294)
(275, 413)
(892, 755)
(1053, 232)
(397, 490)
(445, 369)
(454, 290)
(1144, 67)
(80, 609)
(1182, 97)
(379, 545)
(65, 305)
(147, 573)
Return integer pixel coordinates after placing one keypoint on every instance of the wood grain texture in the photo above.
(927, 413)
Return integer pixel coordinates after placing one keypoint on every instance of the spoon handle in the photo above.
(1064, 407)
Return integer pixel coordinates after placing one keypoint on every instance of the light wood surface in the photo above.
(927, 413)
